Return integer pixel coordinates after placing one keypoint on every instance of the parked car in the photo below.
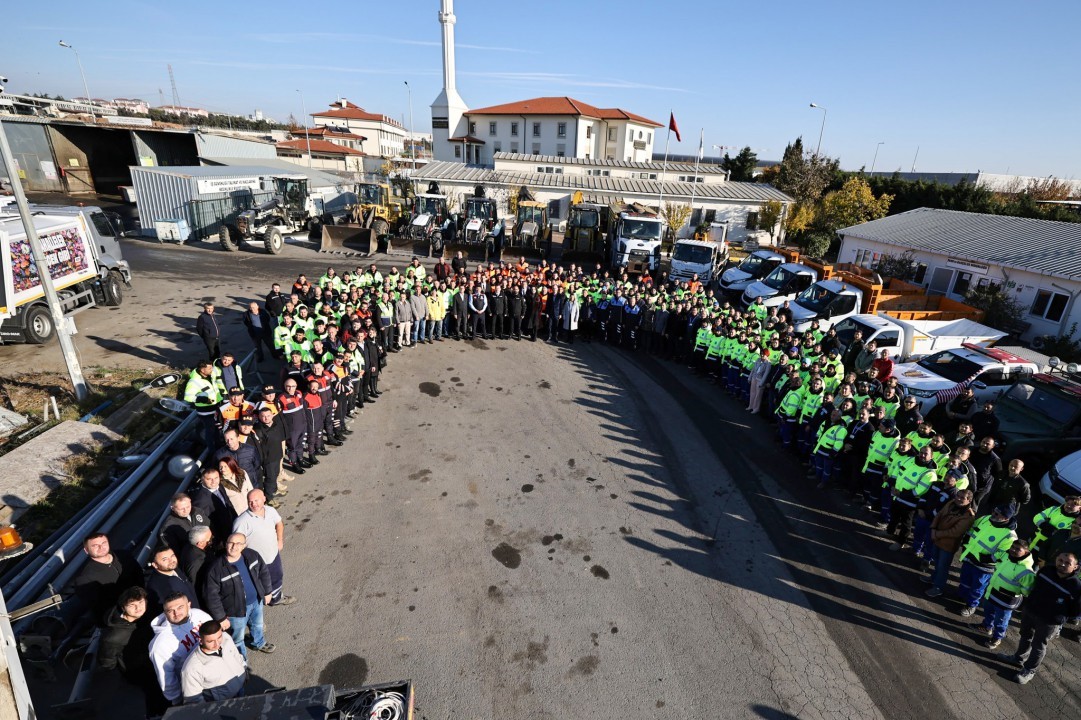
(939, 377)
(1064, 478)
(1040, 420)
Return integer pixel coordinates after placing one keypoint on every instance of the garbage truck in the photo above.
(84, 259)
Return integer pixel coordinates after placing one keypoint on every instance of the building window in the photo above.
(649, 137)
(491, 128)
(472, 128)
(752, 221)
(498, 147)
(611, 134)
(920, 274)
(514, 129)
(711, 216)
(639, 134)
(596, 172)
(589, 131)
(561, 150)
(536, 148)
(457, 151)
(536, 129)
(1050, 305)
(514, 148)
(561, 130)
(961, 283)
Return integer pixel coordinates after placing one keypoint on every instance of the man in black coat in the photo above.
(908, 418)
(498, 306)
(163, 579)
(105, 576)
(194, 557)
(985, 422)
(237, 588)
(209, 500)
(271, 433)
(988, 467)
(206, 326)
(182, 518)
(460, 312)
(274, 302)
(258, 325)
(374, 356)
(517, 308)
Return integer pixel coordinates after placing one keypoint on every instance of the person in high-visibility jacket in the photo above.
(989, 538)
(702, 340)
(1010, 583)
(711, 363)
(831, 438)
(812, 400)
(922, 435)
(1055, 518)
(788, 412)
(903, 453)
(205, 396)
(883, 442)
(283, 333)
(915, 478)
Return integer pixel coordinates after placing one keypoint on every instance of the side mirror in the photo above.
(979, 385)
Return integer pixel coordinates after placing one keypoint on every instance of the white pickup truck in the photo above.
(938, 378)
(909, 340)
(735, 280)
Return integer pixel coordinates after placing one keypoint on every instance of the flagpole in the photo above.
(698, 159)
(664, 171)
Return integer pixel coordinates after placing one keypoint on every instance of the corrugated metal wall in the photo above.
(30, 146)
(163, 195)
(209, 145)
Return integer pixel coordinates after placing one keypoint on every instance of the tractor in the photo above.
(531, 236)
(584, 240)
(430, 221)
(481, 231)
(291, 209)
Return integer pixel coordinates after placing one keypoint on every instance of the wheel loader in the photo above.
(377, 213)
(291, 209)
(531, 236)
(584, 241)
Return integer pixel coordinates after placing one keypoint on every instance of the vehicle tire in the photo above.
(111, 288)
(380, 227)
(272, 241)
(225, 239)
(39, 325)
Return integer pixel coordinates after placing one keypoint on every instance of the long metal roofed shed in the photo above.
(1045, 247)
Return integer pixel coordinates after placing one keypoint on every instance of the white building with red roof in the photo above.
(382, 136)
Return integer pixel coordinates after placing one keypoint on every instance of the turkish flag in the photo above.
(673, 127)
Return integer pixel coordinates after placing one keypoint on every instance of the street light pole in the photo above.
(307, 135)
(67, 347)
(821, 130)
(412, 140)
(79, 60)
(876, 157)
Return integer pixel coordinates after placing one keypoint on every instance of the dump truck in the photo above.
(634, 237)
(584, 241)
(706, 255)
(531, 236)
(846, 290)
(84, 258)
(376, 213)
(480, 235)
(292, 208)
(429, 223)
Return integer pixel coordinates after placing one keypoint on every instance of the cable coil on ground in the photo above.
(375, 705)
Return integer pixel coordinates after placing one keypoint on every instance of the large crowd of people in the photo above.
(182, 627)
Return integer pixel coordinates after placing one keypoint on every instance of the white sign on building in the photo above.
(212, 186)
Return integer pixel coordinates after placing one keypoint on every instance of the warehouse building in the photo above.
(1038, 262)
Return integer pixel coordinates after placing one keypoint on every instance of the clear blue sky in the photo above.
(985, 85)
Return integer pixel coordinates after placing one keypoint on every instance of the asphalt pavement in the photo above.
(528, 530)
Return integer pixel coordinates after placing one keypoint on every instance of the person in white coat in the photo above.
(760, 372)
(176, 635)
(572, 309)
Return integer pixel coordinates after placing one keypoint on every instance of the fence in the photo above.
(207, 216)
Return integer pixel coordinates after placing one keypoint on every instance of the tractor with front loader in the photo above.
(531, 236)
(291, 209)
(481, 234)
(377, 213)
(430, 222)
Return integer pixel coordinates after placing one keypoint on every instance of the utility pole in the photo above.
(307, 135)
(86, 89)
(67, 347)
(412, 140)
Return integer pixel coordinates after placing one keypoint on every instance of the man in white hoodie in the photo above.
(176, 635)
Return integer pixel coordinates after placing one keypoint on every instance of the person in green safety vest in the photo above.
(202, 393)
(788, 412)
(283, 332)
(989, 539)
(902, 454)
(1010, 583)
(1055, 518)
(702, 340)
(915, 478)
(812, 400)
(711, 362)
(831, 439)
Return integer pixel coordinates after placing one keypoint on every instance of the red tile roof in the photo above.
(318, 146)
(561, 106)
(352, 112)
(326, 131)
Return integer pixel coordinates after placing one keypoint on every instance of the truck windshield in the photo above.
(584, 218)
(751, 264)
(1034, 405)
(779, 278)
(641, 229)
(846, 330)
(530, 214)
(428, 205)
(369, 194)
(479, 209)
(815, 298)
(950, 366)
(694, 254)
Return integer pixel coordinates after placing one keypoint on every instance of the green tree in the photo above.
(804, 176)
(769, 215)
(815, 244)
(676, 215)
(853, 204)
(741, 167)
(1000, 309)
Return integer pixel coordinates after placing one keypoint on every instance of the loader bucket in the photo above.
(339, 238)
(530, 251)
(474, 252)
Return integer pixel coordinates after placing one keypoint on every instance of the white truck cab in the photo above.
(735, 280)
(828, 302)
(704, 258)
(636, 239)
(785, 282)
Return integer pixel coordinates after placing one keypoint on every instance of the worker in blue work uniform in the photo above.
(989, 539)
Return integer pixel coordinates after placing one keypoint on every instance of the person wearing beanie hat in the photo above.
(989, 539)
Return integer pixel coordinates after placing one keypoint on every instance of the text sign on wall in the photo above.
(967, 266)
(211, 186)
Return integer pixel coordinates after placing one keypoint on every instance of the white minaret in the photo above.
(448, 108)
